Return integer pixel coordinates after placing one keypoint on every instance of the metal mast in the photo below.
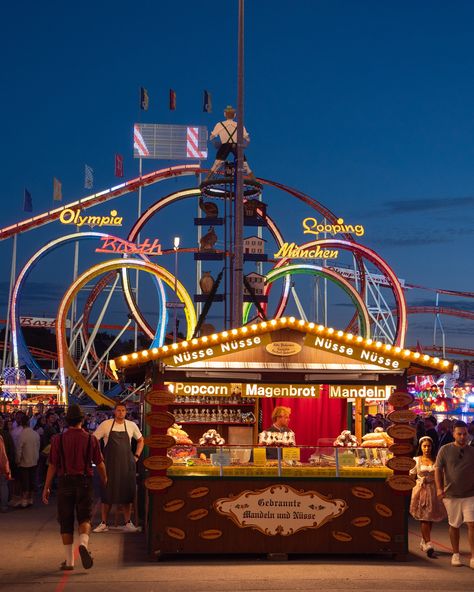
(238, 200)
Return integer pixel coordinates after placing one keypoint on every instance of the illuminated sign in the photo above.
(356, 352)
(293, 251)
(255, 390)
(70, 216)
(41, 322)
(112, 244)
(236, 345)
(311, 226)
(283, 348)
(281, 390)
(375, 392)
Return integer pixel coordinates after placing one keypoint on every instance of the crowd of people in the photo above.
(25, 443)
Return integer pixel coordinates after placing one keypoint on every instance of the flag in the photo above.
(207, 104)
(139, 142)
(172, 100)
(88, 177)
(27, 202)
(57, 190)
(143, 99)
(118, 165)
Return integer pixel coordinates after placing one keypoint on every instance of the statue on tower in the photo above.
(227, 133)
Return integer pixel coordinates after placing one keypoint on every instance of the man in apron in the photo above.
(120, 462)
(227, 132)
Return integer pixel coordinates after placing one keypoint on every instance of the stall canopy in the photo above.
(288, 351)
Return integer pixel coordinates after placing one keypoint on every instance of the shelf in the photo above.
(213, 404)
(231, 423)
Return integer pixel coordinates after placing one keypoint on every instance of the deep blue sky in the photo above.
(366, 106)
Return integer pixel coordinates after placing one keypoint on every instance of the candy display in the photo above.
(346, 439)
(177, 432)
(267, 438)
(211, 438)
(378, 439)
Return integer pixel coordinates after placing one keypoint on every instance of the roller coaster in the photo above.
(374, 291)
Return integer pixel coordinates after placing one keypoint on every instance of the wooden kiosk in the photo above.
(290, 505)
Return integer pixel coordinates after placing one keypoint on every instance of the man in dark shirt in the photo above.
(454, 476)
(71, 457)
(430, 430)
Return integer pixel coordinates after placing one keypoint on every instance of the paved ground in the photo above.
(31, 551)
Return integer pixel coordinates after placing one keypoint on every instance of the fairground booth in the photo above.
(220, 482)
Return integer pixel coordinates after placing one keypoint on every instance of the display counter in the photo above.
(307, 500)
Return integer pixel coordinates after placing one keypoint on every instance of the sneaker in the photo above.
(130, 527)
(86, 557)
(102, 527)
(65, 567)
(456, 560)
(429, 549)
(423, 546)
(471, 563)
(24, 503)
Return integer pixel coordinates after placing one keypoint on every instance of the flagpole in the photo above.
(238, 200)
(140, 160)
(10, 291)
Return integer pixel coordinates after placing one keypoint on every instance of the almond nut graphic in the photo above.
(362, 492)
(198, 492)
(361, 521)
(198, 514)
(211, 534)
(383, 510)
(381, 536)
(173, 505)
(175, 533)
(343, 537)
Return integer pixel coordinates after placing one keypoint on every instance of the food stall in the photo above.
(206, 495)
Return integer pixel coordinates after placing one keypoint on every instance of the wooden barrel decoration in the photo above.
(158, 482)
(160, 397)
(159, 419)
(158, 463)
(160, 441)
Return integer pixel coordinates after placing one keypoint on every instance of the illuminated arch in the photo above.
(310, 269)
(65, 361)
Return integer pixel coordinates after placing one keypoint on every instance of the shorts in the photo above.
(226, 149)
(75, 499)
(460, 510)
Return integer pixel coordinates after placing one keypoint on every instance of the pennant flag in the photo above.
(118, 165)
(143, 99)
(27, 202)
(57, 190)
(172, 100)
(207, 104)
(139, 142)
(88, 177)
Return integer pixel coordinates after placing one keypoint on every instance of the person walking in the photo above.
(27, 456)
(454, 477)
(425, 505)
(120, 462)
(71, 457)
(5, 476)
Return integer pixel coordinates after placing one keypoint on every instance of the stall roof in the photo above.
(290, 344)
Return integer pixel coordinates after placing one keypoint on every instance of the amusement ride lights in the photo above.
(65, 361)
(266, 327)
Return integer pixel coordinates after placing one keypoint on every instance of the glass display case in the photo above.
(260, 461)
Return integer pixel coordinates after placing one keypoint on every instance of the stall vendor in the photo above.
(281, 419)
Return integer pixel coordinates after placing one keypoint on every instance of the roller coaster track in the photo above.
(97, 198)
